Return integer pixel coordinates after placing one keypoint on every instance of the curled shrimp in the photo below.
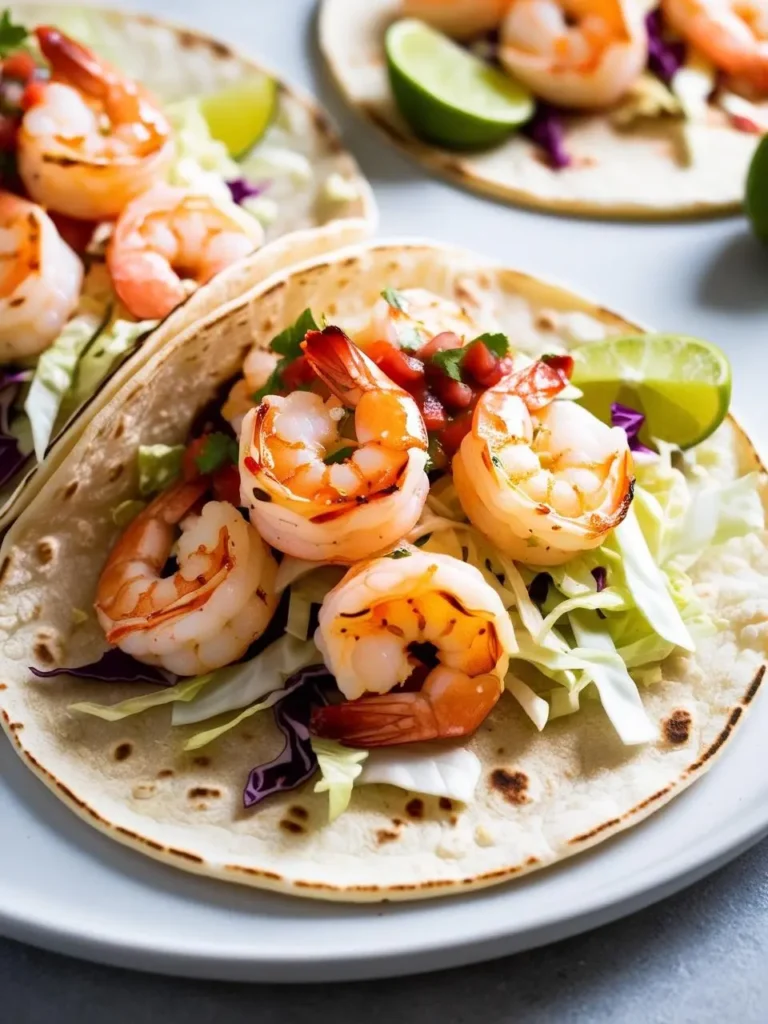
(170, 236)
(207, 613)
(459, 18)
(543, 480)
(576, 53)
(418, 618)
(316, 496)
(94, 140)
(414, 316)
(40, 279)
(733, 35)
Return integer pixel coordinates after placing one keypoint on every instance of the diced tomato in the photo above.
(76, 233)
(189, 468)
(562, 363)
(455, 432)
(298, 373)
(226, 484)
(33, 94)
(452, 393)
(9, 129)
(440, 343)
(482, 365)
(431, 408)
(400, 367)
(20, 66)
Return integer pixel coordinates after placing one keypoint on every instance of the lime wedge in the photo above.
(756, 199)
(681, 384)
(448, 95)
(239, 114)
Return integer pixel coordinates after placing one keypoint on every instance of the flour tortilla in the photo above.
(175, 64)
(542, 796)
(639, 172)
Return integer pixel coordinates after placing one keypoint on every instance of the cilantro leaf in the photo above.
(11, 36)
(395, 299)
(399, 553)
(288, 342)
(497, 343)
(218, 451)
(449, 361)
(338, 456)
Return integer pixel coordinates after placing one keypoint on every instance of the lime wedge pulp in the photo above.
(448, 95)
(681, 384)
(756, 198)
(238, 114)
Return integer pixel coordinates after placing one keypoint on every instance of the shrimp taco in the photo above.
(606, 108)
(147, 174)
(374, 601)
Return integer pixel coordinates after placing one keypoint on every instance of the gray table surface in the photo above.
(701, 955)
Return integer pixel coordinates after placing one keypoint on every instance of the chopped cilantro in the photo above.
(449, 361)
(399, 553)
(395, 299)
(218, 451)
(11, 36)
(497, 343)
(288, 342)
(340, 455)
(496, 461)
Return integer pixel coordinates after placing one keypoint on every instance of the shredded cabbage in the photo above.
(181, 692)
(201, 162)
(448, 771)
(339, 767)
(206, 736)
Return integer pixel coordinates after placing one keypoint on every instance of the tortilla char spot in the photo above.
(202, 761)
(500, 751)
(200, 792)
(545, 322)
(677, 728)
(415, 808)
(5, 567)
(713, 749)
(14, 303)
(446, 804)
(115, 472)
(397, 822)
(595, 831)
(291, 826)
(299, 812)
(43, 653)
(385, 836)
(748, 696)
(165, 773)
(71, 489)
(122, 751)
(119, 430)
(3, 686)
(513, 786)
(46, 549)
(531, 861)
(16, 726)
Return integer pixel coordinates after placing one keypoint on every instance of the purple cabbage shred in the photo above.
(664, 57)
(600, 574)
(240, 189)
(539, 588)
(546, 129)
(631, 422)
(296, 762)
(11, 456)
(114, 666)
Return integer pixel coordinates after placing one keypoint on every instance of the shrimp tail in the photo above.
(73, 62)
(339, 363)
(379, 721)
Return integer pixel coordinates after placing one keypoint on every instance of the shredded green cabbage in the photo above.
(184, 691)
(339, 767)
(201, 162)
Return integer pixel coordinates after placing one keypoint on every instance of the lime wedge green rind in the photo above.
(239, 114)
(447, 95)
(682, 385)
(756, 198)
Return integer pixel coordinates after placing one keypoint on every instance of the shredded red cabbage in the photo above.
(296, 762)
(600, 574)
(631, 422)
(546, 129)
(664, 57)
(114, 666)
(11, 456)
(539, 588)
(241, 189)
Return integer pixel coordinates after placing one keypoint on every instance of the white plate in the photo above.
(68, 888)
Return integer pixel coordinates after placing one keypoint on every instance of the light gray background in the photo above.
(700, 956)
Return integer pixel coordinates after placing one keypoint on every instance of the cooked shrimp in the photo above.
(459, 18)
(170, 236)
(418, 618)
(308, 495)
(733, 34)
(211, 609)
(576, 53)
(543, 480)
(257, 369)
(40, 279)
(94, 140)
(413, 317)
